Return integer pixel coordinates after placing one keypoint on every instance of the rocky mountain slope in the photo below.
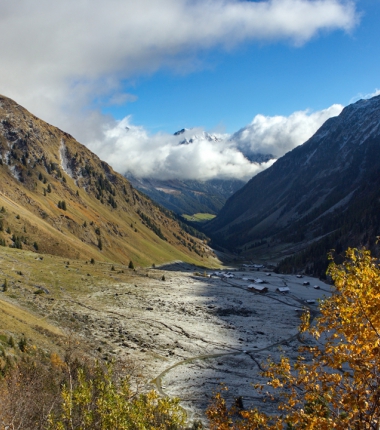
(58, 197)
(323, 194)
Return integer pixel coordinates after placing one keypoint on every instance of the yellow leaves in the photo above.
(56, 361)
(338, 388)
(305, 322)
(97, 401)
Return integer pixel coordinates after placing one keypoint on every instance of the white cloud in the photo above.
(365, 96)
(195, 154)
(277, 135)
(129, 148)
(58, 56)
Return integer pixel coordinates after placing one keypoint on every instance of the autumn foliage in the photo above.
(40, 394)
(334, 384)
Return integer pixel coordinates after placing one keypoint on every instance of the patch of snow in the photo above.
(14, 172)
(310, 156)
(6, 156)
(341, 202)
(64, 160)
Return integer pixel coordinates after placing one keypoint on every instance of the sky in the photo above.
(122, 76)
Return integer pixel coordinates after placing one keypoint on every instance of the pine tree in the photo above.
(11, 342)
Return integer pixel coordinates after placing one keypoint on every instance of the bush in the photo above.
(22, 344)
(11, 342)
(45, 394)
(97, 401)
(62, 205)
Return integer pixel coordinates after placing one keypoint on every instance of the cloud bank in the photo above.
(58, 57)
(196, 154)
(63, 59)
(279, 134)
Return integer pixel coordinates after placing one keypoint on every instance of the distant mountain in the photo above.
(57, 197)
(203, 135)
(323, 194)
(188, 196)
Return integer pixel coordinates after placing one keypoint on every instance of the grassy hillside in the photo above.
(57, 197)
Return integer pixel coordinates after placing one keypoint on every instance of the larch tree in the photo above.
(334, 384)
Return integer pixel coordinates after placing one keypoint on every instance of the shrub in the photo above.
(44, 394)
(11, 342)
(22, 344)
(99, 401)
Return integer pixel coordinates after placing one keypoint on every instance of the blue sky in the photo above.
(123, 75)
(230, 88)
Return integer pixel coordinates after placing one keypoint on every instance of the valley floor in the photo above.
(188, 332)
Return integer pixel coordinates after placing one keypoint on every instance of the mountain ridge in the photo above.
(291, 204)
(188, 196)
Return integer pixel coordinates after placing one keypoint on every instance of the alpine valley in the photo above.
(95, 271)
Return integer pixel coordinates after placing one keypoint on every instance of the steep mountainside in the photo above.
(188, 196)
(58, 197)
(323, 194)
